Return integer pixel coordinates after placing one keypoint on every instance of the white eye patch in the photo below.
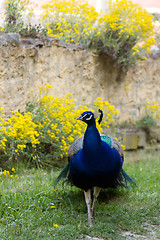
(89, 118)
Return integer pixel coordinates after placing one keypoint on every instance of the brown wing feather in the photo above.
(78, 145)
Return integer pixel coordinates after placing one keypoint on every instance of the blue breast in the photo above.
(96, 164)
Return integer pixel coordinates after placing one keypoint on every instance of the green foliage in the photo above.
(14, 14)
(18, 14)
(146, 122)
(43, 133)
(32, 31)
(151, 115)
(30, 208)
(125, 32)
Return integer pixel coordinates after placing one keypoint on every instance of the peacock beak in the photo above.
(79, 118)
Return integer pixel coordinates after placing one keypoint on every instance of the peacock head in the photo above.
(87, 117)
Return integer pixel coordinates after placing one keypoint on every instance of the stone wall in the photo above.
(26, 64)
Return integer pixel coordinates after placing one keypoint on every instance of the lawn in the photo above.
(30, 207)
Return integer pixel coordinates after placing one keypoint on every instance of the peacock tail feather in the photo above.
(63, 175)
(123, 179)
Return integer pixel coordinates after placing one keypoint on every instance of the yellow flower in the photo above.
(123, 147)
(48, 23)
(55, 124)
(52, 206)
(56, 226)
(116, 139)
(127, 87)
(13, 170)
(50, 31)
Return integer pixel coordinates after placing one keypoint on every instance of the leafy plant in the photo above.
(43, 134)
(123, 28)
(33, 31)
(8, 174)
(72, 21)
(151, 115)
(146, 122)
(14, 14)
(125, 32)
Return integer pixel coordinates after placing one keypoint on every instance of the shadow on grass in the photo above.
(73, 198)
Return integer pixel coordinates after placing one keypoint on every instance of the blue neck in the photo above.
(92, 140)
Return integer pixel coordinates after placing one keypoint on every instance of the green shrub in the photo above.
(146, 122)
(44, 132)
(125, 32)
(14, 14)
(151, 115)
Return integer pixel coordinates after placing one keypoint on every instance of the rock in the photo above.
(154, 135)
(155, 53)
(92, 238)
(130, 140)
(27, 41)
(157, 130)
(133, 236)
(48, 42)
(10, 39)
(153, 147)
(39, 43)
(141, 139)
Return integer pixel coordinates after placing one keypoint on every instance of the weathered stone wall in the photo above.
(27, 64)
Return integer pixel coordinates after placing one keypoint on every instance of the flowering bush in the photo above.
(153, 109)
(18, 15)
(124, 32)
(45, 131)
(151, 116)
(8, 174)
(108, 111)
(71, 21)
(14, 14)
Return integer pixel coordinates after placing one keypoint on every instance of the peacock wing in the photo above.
(116, 145)
(77, 145)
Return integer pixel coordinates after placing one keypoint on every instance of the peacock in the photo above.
(94, 162)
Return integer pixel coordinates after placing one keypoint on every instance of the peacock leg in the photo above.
(88, 202)
(95, 195)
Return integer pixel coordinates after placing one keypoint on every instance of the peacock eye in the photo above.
(88, 117)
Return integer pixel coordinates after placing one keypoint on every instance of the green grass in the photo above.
(26, 213)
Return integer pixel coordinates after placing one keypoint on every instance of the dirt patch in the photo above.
(153, 233)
